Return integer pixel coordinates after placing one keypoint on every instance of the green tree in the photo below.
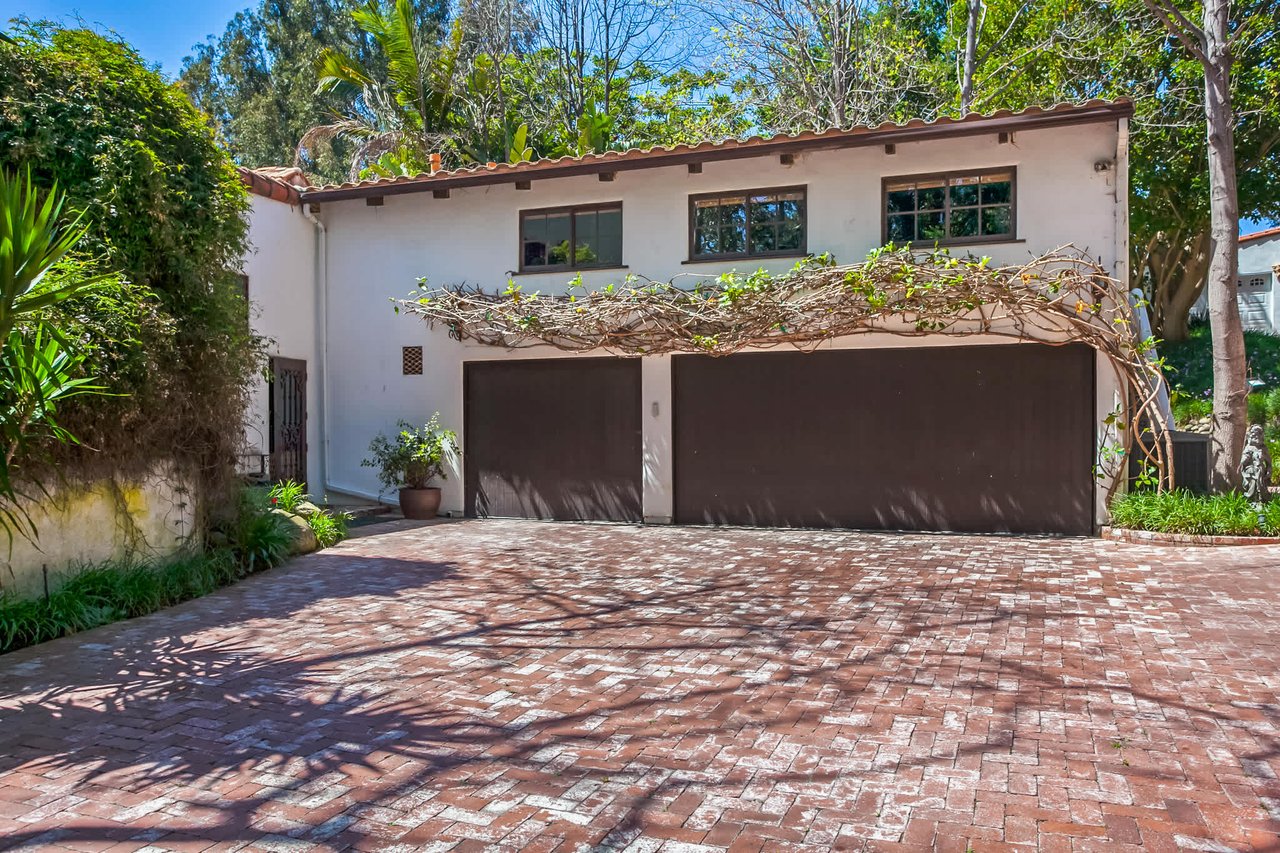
(258, 80)
(161, 203)
(402, 114)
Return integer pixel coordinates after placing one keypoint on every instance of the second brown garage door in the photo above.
(965, 438)
(554, 439)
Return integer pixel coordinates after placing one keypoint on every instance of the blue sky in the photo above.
(163, 31)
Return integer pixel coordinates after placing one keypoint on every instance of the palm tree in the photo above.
(398, 122)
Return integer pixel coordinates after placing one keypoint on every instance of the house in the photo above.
(1258, 297)
(871, 431)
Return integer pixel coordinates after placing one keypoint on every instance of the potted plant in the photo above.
(410, 461)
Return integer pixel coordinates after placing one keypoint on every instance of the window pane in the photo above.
(932, 226)
(932, 195)
(902, 228)
(764, 238)
(535, 240)
(609, 223)
(706, 228)
(733, 239)
(900, 200)
(964, 222)
(792, 208)
(791, 236)
(557, 239)
(765, 209)
(964, 192)
(584, 239)
(996, 220)
(996, 191)
(706, 241)
(729, 235)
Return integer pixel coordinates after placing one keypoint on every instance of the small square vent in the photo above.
(412, 358)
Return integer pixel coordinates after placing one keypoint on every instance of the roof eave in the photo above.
(735, 150)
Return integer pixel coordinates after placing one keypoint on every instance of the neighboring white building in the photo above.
(1258, 297)
(873, 431)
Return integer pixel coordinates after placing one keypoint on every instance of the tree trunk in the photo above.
(1177, 271)
(1230, 392)
(970, 56)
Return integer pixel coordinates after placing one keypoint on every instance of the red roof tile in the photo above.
(278, 183)
(1260, 235)
(729, 149)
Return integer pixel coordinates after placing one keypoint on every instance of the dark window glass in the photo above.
(995, 220)
(932, 225)
(749, 224)
(902, 229)
(949, 208)
(964, 222)
(571, 239)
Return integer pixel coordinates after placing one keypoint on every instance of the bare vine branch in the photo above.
(1059, 298)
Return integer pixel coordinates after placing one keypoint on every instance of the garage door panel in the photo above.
(554, 439)
(976, 438)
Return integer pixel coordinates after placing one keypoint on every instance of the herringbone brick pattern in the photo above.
(516, 685)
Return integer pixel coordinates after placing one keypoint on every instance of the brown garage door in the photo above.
(556, 439)
(969, 438)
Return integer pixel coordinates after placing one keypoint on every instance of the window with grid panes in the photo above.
(747, 224)
(950, 209)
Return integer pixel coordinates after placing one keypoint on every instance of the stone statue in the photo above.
(1255, 467)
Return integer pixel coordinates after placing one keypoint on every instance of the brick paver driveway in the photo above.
(516, 685)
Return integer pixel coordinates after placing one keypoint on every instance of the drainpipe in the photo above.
(322, 329)
(1122, 201)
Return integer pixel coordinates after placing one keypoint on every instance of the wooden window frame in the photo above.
(570, 209)
(693, 257)
(1010, 237)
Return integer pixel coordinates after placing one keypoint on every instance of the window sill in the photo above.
(572, 271)
(735, 259)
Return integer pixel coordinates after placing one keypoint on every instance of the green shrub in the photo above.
(163, 206)
(98, 595)
(330, 528)
(1190, 362)
(1228, 514)
(1188, 408)
(259, 538)
(287, 496)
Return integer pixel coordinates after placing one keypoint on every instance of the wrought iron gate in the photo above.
(288, 410)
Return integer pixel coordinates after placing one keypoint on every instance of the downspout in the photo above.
(1122, 201)
(322, 333)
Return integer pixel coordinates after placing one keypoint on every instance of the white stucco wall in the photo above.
(281, 266)
(377, 253)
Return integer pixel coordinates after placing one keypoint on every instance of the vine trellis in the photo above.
(1058, 298)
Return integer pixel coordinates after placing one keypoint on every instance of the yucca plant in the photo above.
(37, 367)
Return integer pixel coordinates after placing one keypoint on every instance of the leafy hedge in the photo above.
(252, 540)
(1228, 514)
(165, 208)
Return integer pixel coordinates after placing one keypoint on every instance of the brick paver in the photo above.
(515, 685)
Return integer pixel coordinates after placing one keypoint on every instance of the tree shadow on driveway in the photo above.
(547, 684)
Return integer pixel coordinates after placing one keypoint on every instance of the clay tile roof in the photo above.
(730, 149)
(278, 183)
(1260, 235)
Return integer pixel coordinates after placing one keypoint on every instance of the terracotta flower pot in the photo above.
(420, 503)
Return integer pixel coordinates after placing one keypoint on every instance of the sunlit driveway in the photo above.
(516, 685)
